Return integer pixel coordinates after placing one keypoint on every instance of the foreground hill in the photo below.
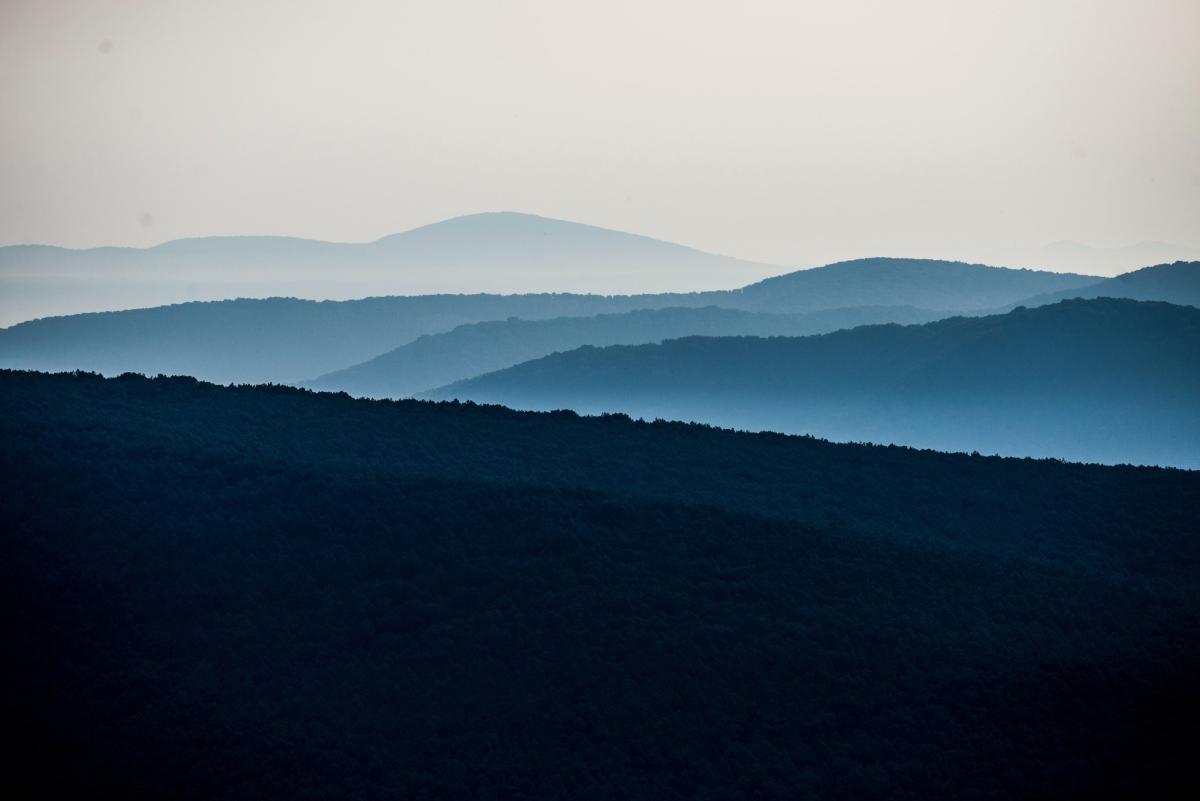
(495, 252)
(288, 340)
(470, 350)
(1170, 283)
(265, 593)
(1097, 380)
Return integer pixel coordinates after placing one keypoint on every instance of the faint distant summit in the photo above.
(510, 238)
(495, 252)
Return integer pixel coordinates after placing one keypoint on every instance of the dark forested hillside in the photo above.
(1088, 380)
(434, 360)
(261, 592)
(288, 340)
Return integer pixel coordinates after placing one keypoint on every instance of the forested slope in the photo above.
(262, 592)
(1105, 380)
(470, 350)
(1177, 282)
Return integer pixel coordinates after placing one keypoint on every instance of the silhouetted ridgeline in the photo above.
(1178, 283)
(1101, 380)
(289, 341)
(925, 283)
(261, 592)
(433, 360)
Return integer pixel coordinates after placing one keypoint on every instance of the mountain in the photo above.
(289, 340)
(262, 592)
(469, 350)
(1101, 380)
(501, 252)
(1177, 283)
(508, 252)
(273, 340)
(924, 283)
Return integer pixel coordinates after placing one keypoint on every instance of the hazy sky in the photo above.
(789, 132)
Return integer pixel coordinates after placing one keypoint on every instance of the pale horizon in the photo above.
(786, 134)
(1049, 257)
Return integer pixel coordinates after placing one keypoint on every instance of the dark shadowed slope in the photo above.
(289, 340)
(266, 593)
(925, 283)
(1171, 283)
(437, 359)
(496, 252)
(1093, 380)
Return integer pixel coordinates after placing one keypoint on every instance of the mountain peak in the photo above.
(483, 221)
(514, 227)
(501, 252)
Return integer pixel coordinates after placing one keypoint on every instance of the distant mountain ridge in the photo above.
(280, 340)
(500, 252)
(472, 349)
(289, 340)
(926, 283)
(1104, 380)
(496, 252)
(1178, 283)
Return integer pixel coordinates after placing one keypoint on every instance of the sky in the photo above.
(786, 132)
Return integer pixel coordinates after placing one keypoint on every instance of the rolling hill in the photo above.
(1177, 283)
(262, 592)
(500, 252)
(470, 350)
(924, 283)
(281, 340)
(1101, 380)
(289, 340)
